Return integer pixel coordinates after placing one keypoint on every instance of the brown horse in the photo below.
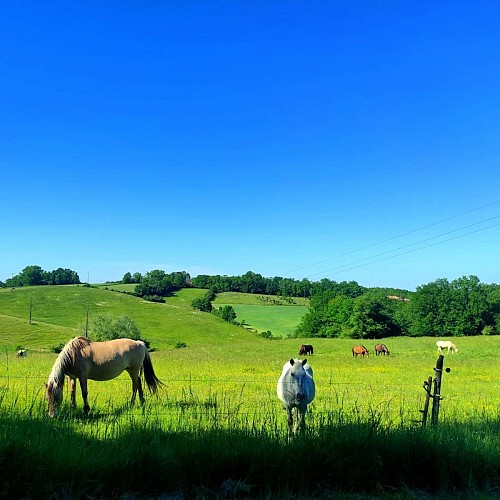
(381, 349)
(83, 359)
(359, 350)
(306, 349)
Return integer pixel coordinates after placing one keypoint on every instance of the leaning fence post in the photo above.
(425, 411)
(437, 390)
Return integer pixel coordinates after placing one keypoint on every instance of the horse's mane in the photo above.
(66, 359)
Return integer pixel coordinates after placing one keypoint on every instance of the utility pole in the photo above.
(87, 323)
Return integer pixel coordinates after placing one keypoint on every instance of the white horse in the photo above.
(296, 389)
(446, 344)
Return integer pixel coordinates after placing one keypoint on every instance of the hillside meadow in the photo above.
(221, 389)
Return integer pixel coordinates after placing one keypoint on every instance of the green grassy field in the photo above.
(221, 389)
(239, 363)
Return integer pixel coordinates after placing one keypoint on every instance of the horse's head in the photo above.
(296, 382)
(54, 395)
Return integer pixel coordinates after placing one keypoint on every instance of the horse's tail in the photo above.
(152, 381)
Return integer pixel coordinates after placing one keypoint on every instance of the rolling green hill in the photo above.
(58, 311)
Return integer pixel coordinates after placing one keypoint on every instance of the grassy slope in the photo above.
(57, 312)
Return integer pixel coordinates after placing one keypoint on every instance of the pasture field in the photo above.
(219, 418)
(280, 316)
(279, 320)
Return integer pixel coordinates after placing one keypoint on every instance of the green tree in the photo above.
(127, 278)
(369, 318)
(105, 327)
(155, 282)
(32, 276)
(227, 313)
(458, 308)
(204, 303)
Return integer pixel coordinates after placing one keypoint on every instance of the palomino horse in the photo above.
(296, 390)
(381, 349)
(306, 349)
(83, 359)
(359, 349)
(446, 344)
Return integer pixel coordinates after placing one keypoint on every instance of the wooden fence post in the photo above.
(437, 390)
(425, 411)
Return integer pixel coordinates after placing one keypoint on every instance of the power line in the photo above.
(412, 244)
(420, 248)
(393, 237)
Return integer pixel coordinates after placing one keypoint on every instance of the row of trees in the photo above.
(158, 284)
(36, 276)
(462, 307)
(287, 287)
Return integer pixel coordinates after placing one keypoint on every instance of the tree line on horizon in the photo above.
(36, 276)
(464, 306)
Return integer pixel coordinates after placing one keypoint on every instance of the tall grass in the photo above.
(117, 452)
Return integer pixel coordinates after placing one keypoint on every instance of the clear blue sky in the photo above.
(352, 140)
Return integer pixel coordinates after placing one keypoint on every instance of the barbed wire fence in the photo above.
(239, 397)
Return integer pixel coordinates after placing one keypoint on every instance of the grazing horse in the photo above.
(21, 353)
(83, 359)
(306, 349)
(446, 344)
(296, 390)
(381, 349)
(359, 349)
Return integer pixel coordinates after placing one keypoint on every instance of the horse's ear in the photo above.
(304, 361)
(292, 361)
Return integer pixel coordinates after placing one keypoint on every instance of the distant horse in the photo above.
(296, 390)
(359, 349)
(83, 359)
(381, 349)
(21, 353)
(306, 349)
(446, 344)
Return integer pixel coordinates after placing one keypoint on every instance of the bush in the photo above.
(104, 327)
(57, 348)
(267, 334)
(227, 313)
(202, 304)
(153, 298)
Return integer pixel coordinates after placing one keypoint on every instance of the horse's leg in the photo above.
(139, 388)
(85, 393)
(72, 391)
(301, 416)
(290, 419)
(136, 386)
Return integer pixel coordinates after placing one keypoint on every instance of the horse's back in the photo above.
(444, 343)
(106, 360)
